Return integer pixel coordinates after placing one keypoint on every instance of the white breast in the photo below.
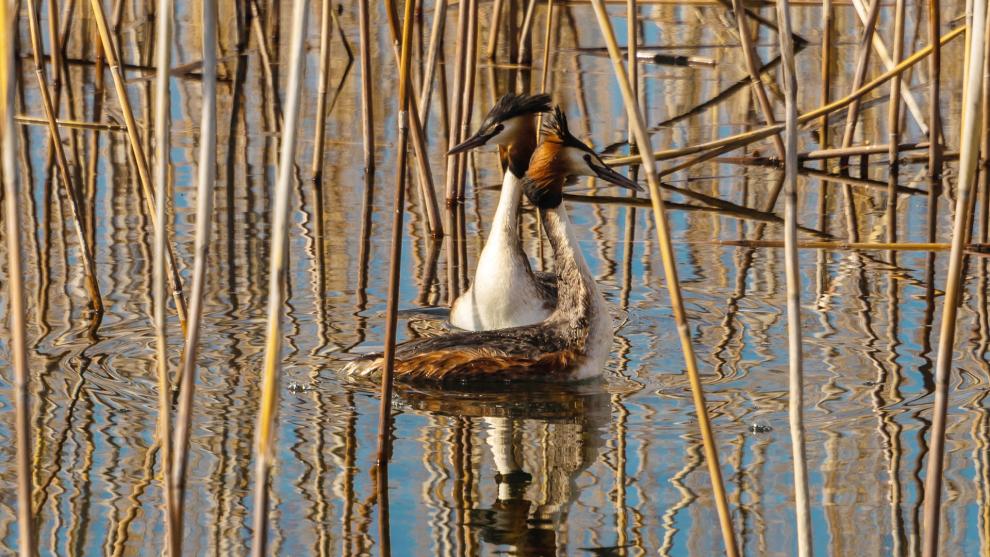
(504, 292)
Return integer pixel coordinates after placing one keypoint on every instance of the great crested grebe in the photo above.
(505, 291)
(573, 342)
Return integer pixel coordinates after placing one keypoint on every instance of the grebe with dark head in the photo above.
(505, 291)
(573, 342)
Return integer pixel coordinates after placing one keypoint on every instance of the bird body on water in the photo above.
(573, 342)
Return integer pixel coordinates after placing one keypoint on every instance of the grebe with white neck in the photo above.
(505, 291)
(573, 343)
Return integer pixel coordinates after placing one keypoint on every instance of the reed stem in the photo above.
(894, 124)
(367, 102)
(205, 180)
(793, 276)
(391, 319)
(319, 135)
(163, 50)
(673, 283)
(15, 286)
(277, 276)
(969, 151)
(934, 116)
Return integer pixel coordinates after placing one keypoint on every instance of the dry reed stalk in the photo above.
(275, 106)
(385, 408)
(63, 123)
(836, 246)
(71, 192)
(453, 163)
(828, 176)
(969, 150)
(134, 137)
(745, 138)
(863, 51)
(632, 64)
(163, 50)
(934, 117)
(984, 185)
(15, 286)
(205, 180)
(548, 48)
(894, 123)
(367, 109)
(673, 283)
(750, 56)
(826, 82)
(496, 23)
(277, 276)
(467, 109)
(795, 398)
(856, 150)
(319, 136)
(523, 57)
(436, 46)
(427, 190)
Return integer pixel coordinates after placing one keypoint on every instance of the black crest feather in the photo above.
(511, 105)
(556, 125)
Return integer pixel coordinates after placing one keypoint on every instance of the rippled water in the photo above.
(614, 467)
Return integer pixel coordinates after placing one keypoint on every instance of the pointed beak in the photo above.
(613, 177)
(477, 140)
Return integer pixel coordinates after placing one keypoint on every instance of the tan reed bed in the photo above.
(65, 175)
(954, 281)
(15, 287)
(795, 395)
(134, 137)
(205, 181)
(268, 404)
(163, 58)
(673, 284)
(742, 139)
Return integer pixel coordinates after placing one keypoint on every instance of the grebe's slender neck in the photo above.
(506, 219)
(577, 296)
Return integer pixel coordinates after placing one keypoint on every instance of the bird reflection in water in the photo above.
(535, 481)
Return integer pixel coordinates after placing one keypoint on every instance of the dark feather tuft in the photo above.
(511, 105)
(555, 126)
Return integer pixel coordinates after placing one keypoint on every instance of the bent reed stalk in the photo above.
(673, 283)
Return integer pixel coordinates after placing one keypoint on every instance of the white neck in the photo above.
(506, 220)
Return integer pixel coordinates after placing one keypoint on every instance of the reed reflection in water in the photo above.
(615, 467)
